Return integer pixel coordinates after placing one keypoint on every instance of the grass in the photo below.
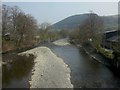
(106, 53)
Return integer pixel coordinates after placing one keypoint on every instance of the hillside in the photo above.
(110, 22)
(74, 21)
(70, 22)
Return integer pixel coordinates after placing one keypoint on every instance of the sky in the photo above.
(53, 12)
(61, 0)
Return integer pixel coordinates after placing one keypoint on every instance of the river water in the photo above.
(16, 73)
(85, 72)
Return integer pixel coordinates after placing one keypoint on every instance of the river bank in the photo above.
(44, 58)
(49, 71)
(18, 50)
(93, 53)
(102, 59)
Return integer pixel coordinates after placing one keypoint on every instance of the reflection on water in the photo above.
(16, 73)
(85, 72)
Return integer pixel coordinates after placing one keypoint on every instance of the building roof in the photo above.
(114, 39)
(110, 31)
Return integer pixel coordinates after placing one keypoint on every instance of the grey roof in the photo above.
(114, 39)
(110, 31)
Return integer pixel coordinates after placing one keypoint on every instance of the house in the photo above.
(111, 40)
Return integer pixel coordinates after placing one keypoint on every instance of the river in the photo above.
(85, 71)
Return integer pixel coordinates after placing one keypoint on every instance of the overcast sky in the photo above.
(53, 12)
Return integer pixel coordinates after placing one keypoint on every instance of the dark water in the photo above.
(16, 73)
(86, 72)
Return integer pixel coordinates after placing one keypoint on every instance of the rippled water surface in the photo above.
(16, 73)
(86, 72)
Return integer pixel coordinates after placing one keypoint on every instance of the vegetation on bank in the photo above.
(90, 31)
(20, 30)
(107, 53)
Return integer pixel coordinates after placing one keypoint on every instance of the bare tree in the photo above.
(0, 29)
(26, 28)
(21, 26)
(14, 13)
(44, 29)
(90, 29)
(5, 18)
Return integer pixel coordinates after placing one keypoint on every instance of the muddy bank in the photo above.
(49, 71)
(18, 50)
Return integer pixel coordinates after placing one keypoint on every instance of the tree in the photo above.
(14, 13)
(64, 33)
(0, 29)
(44, 29)
(22, 27)
(5, 19)
(90, 29)
(26, 28)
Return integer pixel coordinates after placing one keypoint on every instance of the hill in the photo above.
(74, 21)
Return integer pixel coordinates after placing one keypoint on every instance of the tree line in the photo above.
(22, 30)
(90, 32)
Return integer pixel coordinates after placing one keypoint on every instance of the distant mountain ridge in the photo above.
(75, 20)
